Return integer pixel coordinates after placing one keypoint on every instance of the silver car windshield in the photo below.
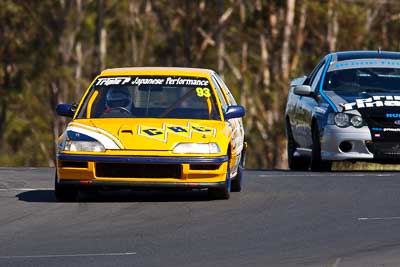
(358, 76)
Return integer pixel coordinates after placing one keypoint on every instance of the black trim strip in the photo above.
(139, 159)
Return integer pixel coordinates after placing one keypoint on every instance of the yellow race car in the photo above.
(152, 128)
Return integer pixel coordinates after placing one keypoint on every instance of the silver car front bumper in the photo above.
(333, 136)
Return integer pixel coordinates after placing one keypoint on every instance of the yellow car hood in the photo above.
(153, 134)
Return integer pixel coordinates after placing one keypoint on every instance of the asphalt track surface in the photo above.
(280, 219)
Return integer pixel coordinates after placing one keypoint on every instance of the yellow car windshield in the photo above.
(150, 97)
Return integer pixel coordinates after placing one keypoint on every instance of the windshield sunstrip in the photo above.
(364, 63)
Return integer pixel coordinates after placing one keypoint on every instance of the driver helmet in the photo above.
(119, 97)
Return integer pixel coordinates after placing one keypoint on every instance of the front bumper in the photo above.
(141, 185)
(333, 136)
(140, 171)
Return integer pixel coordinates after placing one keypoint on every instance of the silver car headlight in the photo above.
(196, 148)
(342, 119)
(357, 121)
(345, 120)
(83, 146)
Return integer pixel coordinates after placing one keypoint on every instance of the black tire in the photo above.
(237, 182)
(317, 164)
(295, 163)
(224, 191)
(65, 193)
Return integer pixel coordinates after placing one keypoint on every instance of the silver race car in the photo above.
(348, 108)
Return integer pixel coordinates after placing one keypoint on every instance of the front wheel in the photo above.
(224, 191)
(64, 193)
(317, 164)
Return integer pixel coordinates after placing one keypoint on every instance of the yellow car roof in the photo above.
(196, 72)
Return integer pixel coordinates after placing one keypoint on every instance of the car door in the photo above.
(305, 107)
(236, 124)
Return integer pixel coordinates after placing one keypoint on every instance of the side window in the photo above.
(316, 79)
(220, 95)
(83, 111)
(222, 84)
(312, 75)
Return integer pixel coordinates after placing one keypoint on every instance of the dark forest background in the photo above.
(50, 50)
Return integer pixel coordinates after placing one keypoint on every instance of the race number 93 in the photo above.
(203, 92)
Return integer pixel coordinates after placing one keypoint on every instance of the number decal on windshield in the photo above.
(203, 92)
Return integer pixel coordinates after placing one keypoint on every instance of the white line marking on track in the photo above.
(378, 218)
(69, 255)
(318, 175)
(337, 261)
(24, 189)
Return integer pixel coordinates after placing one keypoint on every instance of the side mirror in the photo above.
(303, 90)
(66, 110)
(234, 112)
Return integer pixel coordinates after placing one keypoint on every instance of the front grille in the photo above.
(124, 170)
(72, 164)
(383, 150)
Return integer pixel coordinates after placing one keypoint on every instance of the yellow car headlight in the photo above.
(197, 148)
(83, 146)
